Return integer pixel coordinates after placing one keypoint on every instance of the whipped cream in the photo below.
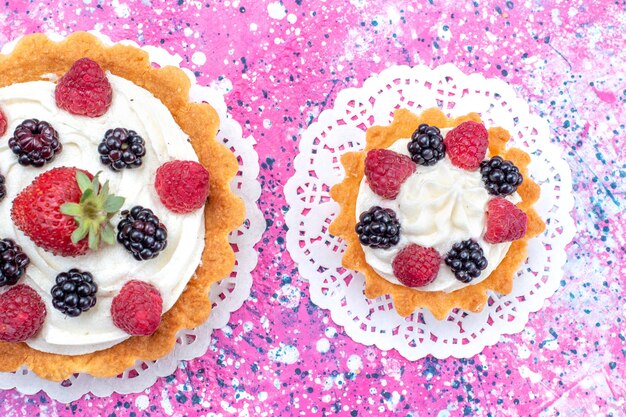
(133, 108)
(437, 206)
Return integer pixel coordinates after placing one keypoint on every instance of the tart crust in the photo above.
(36, 56)
(406, 300)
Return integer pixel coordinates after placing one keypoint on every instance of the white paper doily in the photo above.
(318, 253)
(227, 295)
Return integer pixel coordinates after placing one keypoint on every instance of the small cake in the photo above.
(436, 211)
(115, 207)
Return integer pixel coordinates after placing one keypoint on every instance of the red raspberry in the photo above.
(505, 222)
(182, 186)
(3, 123)
(137, 308)
(467, 144)
(416, 266)
(84, 89)
(22, 313)
(386, 171)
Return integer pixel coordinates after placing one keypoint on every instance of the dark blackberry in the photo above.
(74, 292)
(3, 188)
(121, 148)
(466, 259)
(426, 146)
(13, 262)
(35, 142)
(141, 233)
(378, 228)
(501, 177)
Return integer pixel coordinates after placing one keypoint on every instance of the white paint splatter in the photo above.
(142, 402)
(355, 363)
(322, 345)
(198, 58)
(330, 332)
(166, 405)
(523, 352)
(286, 354)
(276, 10)
(253, 27)
(288, 295)
(525, 372)
(121, 10)
(292, 18)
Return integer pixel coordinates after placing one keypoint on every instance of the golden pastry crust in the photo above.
(407, 300)
(36, 55)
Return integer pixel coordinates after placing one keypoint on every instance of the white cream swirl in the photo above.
(133, 108)
(436, 207)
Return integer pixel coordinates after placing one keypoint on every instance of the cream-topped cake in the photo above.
(115, 207)
(132, 107)
(436, 211)
(436, 206)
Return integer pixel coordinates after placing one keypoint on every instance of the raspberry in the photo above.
(467, 144)
(22, 313)
(182, 186)
(505, 222)
(416, 266)
(386, 171)
(3, 123)
(137, 308)
(84, 90)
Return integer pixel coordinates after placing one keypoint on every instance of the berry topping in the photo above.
(137, 308)
(467, 144)
(13, 262)
(386, 171)
(22, 313)
(416, 266)
(121, 148)
(466, 260)
(3, 188)
(182, 186)
(3, 123)
(65, 211)
(505, 222)
(378, 228)
(141, 233)
(426, 146)
(74, 292)
(500, 177)
(35, 143)
(84, 90)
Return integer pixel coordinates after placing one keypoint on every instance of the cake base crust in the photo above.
(406, 300)
(34, 58)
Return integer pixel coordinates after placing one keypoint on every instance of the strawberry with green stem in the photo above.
(66, 211)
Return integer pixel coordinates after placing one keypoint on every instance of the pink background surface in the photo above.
(282, 64)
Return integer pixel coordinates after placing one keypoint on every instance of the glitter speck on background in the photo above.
(281, 63)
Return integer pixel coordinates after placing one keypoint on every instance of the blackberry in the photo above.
(501, 177)
(378, 228)
(426, 146)
(121, 148)
(141, 233)
(13, 262)
(35, 142)
(466, 259)
(3, 188)
(74, 292)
